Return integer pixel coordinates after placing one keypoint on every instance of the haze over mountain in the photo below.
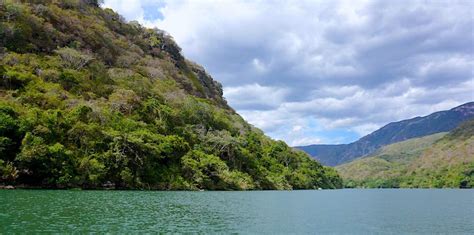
(441, 121)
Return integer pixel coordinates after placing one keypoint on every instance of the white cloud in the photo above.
(310, 70)
(297, 128)
(259, 66)
(255, 96)
(305, 141)
(365, 129)
(130, 9)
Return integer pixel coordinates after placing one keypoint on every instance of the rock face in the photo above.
(442, 121)
(7, 187)
(211, 89)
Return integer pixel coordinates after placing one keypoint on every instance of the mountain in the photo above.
(438, 160)
(388, 162)
(88, 100)
(442, 121)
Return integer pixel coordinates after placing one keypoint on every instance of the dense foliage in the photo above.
(435, 161)
(88, 100)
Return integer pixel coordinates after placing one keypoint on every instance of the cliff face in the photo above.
(88, 100)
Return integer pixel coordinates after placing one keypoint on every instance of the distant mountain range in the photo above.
(442, 160)
(443, 121)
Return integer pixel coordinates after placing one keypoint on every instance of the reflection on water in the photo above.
(332, 211)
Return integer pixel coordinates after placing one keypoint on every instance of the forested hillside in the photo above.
(88, 100)
(435, 161)
(442, 121)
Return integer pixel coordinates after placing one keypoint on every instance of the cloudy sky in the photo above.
(312, 72)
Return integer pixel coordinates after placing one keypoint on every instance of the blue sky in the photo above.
(327, 72)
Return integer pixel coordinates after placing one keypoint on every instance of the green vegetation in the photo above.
(87, 100)
(436, 161)
(394, 132)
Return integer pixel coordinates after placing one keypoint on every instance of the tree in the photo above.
(8, 172)
(95, 3)
(73, 58)
(10, 135)
(124, 100)
(204, 170)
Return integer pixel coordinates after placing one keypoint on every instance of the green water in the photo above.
(326, 211)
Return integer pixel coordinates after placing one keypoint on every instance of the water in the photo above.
(394, 211)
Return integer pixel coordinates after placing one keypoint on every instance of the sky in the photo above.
(324, 72)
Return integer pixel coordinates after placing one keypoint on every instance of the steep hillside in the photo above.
(388, 162)
(88, 100)
(438, 160)
(442, 121)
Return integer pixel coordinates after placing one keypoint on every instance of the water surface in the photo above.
(392, 211)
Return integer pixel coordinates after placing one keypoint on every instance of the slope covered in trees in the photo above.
(88, 100)
(434, 161)
(394, 132)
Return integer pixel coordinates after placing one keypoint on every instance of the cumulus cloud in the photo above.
(255, 96)
(324, 71)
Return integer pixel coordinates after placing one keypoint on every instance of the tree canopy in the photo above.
(88, 100)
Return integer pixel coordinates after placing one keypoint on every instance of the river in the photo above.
(348, 211)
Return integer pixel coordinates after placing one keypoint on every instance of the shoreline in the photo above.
(22, 187)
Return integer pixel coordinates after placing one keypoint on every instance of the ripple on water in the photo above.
(333, 211)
